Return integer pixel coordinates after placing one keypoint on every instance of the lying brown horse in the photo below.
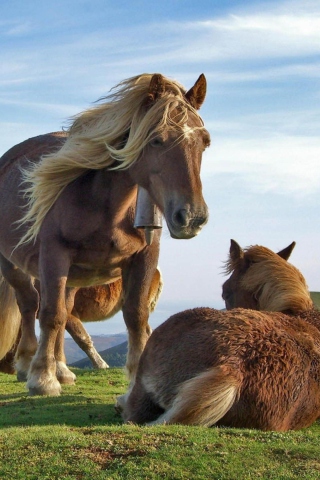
(237, 368)
(67, 207)
(91, 304)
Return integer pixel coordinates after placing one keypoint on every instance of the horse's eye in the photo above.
(156, 142)
(226, 294)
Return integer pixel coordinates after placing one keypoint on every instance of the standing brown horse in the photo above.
(67, 206)
(242, 367)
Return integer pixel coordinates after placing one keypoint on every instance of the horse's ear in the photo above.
(236, 252)
(156, 89)
(196, 95)
(286, 252)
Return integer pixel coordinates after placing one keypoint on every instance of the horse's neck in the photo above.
(112, 189)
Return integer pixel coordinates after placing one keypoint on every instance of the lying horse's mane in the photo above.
(116, 130)
(278, 285)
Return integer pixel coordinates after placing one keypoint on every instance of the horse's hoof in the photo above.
(120, 403)
(67, 380)
(64, 375)
(100, 365)
(44, 386)
(35, 392)
(40, 390)
(22, 376)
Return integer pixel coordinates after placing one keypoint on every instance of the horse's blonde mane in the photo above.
(276, 284)
(116, 130)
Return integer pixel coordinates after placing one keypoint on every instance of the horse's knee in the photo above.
(51, 318)
(28, 304)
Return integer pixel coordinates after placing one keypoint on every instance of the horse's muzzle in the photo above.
(184, 223)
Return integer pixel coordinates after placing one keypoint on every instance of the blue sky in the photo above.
(261, 175)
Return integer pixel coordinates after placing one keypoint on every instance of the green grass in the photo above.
(316, 298)
(79, 436)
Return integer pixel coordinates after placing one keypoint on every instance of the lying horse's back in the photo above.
(252, 370)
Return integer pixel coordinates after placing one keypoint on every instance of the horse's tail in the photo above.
(155, 290)
(10, 317)
(206, 398)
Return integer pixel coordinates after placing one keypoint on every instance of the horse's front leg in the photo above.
(136, 319)
(64, 375)
(136, 283)
(139, 331)
(53, 266)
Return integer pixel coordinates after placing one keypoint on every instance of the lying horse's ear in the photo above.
(156, 89)
(236, 252)
(196, 95)
(286, 252)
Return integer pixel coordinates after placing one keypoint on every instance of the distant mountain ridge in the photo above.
(114, 356)
(101, 343)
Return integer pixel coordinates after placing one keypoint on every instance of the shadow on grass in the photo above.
(71, 410)
(89, 402)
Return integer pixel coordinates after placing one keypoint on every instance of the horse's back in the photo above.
(33, 148)
(12, 202)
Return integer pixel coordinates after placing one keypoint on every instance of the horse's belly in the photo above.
(82, 276)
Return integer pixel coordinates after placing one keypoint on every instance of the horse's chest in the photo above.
(110, 249)
(102, 261)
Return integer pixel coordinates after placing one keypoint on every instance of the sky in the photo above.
(261, 175)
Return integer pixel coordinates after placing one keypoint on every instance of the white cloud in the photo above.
(64, 110)
(265, 34)
(281, 164)
(19, 29)
(267, 148)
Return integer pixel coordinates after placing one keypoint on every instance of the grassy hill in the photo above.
(79, 436)
(316, 299)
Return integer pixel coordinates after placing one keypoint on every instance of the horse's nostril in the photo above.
(181, 217)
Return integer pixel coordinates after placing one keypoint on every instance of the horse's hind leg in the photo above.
(139, 406)
(28, 302)
(79, 334)
(7, 362)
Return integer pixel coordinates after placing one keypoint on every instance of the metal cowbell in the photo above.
(148, 215)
